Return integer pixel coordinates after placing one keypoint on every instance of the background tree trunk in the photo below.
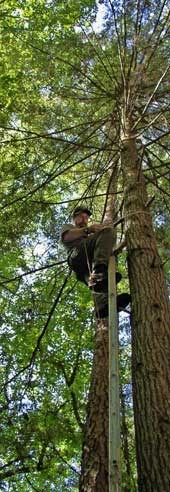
(150, 330)
(94, 476)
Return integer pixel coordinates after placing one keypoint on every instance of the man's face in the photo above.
(81, 220)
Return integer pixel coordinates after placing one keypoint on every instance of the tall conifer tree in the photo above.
(80, 101)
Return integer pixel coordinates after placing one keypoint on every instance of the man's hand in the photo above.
(79, 232)
(95, 227)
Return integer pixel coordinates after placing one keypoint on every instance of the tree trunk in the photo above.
(95, 466)
(150, 330)
(94, 476)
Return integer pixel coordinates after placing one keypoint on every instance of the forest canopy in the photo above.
(67, 84)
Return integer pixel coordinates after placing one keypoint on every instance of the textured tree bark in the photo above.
(150, 330)
(110, 209)
(94, 476)
(95, 466)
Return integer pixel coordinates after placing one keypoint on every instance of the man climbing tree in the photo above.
(89, 248)
(79, 101)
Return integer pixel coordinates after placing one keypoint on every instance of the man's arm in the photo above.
(73, 234)
(80, 232)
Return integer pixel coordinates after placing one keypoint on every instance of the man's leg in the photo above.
(102, 250)
(101, 303)
(99, 247)
(100, 294)
(93, 250)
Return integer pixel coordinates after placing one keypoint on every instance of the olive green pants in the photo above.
(92, 251)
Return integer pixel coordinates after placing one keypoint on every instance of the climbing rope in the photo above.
(94, 293)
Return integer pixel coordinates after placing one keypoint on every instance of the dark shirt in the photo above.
(71, 244)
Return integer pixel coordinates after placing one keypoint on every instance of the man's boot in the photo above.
(122, 302)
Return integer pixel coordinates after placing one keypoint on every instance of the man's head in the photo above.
(81, 215)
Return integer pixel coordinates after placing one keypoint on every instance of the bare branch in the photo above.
(48, 319)
(149, 40)
(49, 179)
(76, 199)
(154, 182)
(155, 140)
(100, 58)
(97, 84)
(150, 99)
(69, 382)
(30, 363)
(30, 272)
(66, 462)
(119, 44)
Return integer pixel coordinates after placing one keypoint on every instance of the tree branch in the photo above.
(30, 363)
(29, 272)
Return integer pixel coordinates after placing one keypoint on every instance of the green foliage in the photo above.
(63, 91)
